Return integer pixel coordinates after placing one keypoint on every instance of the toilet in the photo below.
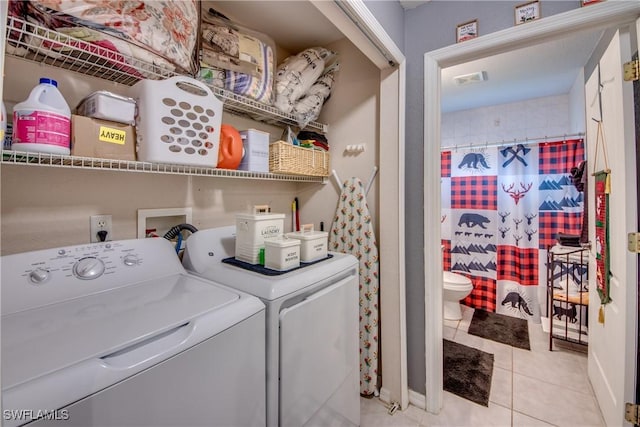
(455, 287)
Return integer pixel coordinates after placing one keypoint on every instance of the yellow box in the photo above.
(102, 139)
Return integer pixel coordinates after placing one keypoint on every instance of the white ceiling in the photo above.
(543, 70)
(410, 4)
(303, 26)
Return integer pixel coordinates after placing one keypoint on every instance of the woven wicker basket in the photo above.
(285, 158)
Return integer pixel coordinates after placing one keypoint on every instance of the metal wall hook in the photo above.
(367, 187)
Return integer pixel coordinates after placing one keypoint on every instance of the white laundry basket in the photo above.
(177, 121)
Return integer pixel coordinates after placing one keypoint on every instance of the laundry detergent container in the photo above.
(252, 230)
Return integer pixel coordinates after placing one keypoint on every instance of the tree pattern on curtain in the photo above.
(501, 209)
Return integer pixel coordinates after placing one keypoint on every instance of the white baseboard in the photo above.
(385, 395)
(418, 400)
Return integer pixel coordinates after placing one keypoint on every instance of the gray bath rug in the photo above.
(467, 372)
(498, 327)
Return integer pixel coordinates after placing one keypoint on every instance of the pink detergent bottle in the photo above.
(42, 123)
(3, 125)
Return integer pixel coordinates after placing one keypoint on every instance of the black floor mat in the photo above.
(467, 372)
(500, 328)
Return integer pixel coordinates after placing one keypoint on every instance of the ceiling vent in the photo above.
(466, 79)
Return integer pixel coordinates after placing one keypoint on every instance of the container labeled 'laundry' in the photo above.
(253, 229)
(281, 253)
(178, 121)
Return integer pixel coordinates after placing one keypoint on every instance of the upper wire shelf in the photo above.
(75, 162)
(39, 44)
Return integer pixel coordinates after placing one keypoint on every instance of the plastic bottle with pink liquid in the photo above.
(42, 123)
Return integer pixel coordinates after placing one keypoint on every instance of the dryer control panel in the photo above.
(34, 279)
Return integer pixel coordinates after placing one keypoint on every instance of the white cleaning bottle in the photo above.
(42, 123)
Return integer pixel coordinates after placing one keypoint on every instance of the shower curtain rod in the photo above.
(524, 141)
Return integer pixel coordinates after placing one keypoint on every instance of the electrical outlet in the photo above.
(100, 223)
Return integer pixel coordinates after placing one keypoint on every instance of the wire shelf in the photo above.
(74, 162)
(35, 43)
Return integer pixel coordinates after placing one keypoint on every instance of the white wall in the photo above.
(46, 207)
(352, 114)
(532, 119)
(577, 105)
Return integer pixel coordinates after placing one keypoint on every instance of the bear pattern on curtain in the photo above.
(501, 210)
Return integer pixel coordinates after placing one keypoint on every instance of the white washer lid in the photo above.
(41, 341)
(455, 278)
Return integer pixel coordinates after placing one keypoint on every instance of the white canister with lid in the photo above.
(313, 244)
(281, 253)
(42, 123)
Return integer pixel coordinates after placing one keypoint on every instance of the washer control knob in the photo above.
(131, 260)
(88, 268)
(39, 275)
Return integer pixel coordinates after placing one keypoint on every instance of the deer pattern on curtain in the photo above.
(501, 210)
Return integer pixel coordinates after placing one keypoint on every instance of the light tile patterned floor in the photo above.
(528, 388)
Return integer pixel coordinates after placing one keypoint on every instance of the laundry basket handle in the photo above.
(192, 86)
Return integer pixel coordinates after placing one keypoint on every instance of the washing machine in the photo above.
(119, 334)
(312, 329)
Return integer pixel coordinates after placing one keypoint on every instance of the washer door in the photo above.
(319, 358)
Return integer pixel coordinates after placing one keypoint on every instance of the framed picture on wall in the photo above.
(466, 31)
(527, 12)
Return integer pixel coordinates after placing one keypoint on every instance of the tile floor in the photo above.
(528, 388)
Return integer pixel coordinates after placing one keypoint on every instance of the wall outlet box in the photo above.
(162, 220)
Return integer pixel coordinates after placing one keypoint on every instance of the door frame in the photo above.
(635, 39)
(596, 16)
(354, 19)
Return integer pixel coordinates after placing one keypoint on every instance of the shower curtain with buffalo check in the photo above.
(501, 209)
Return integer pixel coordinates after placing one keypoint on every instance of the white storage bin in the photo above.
(281, 253)
(251, 231)
(108, 106)
(256, 151)
(178, 121)
(313, 244)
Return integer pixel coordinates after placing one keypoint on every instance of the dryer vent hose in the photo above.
(174, 231)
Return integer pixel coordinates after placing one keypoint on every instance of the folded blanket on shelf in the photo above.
(158, 32)
(236, 59)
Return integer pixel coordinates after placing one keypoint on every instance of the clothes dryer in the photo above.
(311, 329)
